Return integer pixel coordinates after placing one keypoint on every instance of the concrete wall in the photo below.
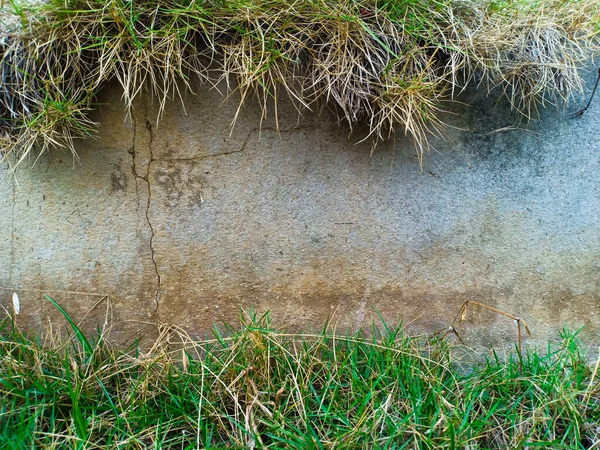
(183, 224)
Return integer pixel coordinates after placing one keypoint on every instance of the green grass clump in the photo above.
(390, 64)
(256, 386)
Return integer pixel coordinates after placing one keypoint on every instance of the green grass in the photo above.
(256, 386)
(392, 64)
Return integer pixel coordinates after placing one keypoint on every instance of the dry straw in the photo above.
(391, 65)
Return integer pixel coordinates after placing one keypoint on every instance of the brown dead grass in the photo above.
(390, 65)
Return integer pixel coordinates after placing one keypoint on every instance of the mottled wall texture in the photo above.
(185, 222)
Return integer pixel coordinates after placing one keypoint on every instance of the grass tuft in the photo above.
(390, 64)
(256, 386)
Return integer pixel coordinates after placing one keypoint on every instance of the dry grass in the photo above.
(390, 65)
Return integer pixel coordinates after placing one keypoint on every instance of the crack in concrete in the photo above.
(134, 168)
(145, 178)
(233, 152)
(152, 233)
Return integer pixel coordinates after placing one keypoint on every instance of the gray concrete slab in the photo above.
(198, 221)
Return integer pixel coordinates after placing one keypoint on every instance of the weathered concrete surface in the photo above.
(77, 231)
(183, 224)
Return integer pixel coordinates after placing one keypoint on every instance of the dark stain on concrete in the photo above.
(118, 180)
(179, 182)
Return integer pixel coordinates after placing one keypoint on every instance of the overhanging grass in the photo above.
(390, 64)
(255, 386)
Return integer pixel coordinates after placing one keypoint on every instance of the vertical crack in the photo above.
(152, 234)
(144, 176)
(134, 166)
